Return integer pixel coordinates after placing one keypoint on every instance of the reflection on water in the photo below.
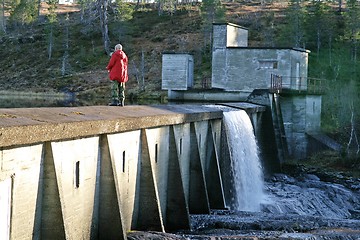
(29, 102)
(34, 102)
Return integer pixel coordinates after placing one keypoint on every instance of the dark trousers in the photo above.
(118, 92)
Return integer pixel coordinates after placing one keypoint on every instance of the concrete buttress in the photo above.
(150, 216)
(109, 202)
(177, 208)
(198, 197)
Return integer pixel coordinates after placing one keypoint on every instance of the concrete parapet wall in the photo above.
(100, 172)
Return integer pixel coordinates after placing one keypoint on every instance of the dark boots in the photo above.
(117, 103)
(114, 103)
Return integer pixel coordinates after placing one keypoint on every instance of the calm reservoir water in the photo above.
(34, 102)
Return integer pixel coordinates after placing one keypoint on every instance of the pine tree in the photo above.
(319, 25)
(23, 11)
(211, 11)
(293, 33)
(353, 26)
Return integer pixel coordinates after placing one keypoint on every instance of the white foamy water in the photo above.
(245, 163)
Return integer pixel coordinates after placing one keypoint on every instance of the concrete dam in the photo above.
(99, 172)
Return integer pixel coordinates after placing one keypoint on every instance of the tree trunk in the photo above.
(160, 7)
(318, 42)
(137, 5)
(102, 7)
(340, 6)
(330, 50)
(65, 61)
(353, 136)
(3, 22)
(50, 41)
(39, 8)
(142, 70)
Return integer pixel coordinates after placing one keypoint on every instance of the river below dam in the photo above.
(304, 206)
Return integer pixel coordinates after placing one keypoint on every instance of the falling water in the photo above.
(245, 162)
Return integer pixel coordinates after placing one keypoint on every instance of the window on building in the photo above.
(268, 64)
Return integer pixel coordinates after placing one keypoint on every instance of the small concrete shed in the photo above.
(177, 71)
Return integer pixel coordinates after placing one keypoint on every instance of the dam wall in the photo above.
(99, 172)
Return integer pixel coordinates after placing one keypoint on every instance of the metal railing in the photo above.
(300, 84)
(276, 84)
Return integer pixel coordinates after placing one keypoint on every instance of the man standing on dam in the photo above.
(118, 74)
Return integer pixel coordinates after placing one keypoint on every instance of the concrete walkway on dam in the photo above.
(19, 126)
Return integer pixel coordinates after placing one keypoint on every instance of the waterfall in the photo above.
(245, 163)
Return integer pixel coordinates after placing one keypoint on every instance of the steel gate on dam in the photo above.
(99, 172)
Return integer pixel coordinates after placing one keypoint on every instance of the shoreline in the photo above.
(6, 94)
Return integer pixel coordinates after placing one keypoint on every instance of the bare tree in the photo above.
(3, 20)
(65, 60)
(102, 10)
(353, 136)
(140, 73)
(142, 70)
(353, 25)
(51, 42)
(52, 17)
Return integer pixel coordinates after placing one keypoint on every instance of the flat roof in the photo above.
(274, 48)
(231, 24)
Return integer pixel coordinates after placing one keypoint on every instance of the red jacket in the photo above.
(118, 67)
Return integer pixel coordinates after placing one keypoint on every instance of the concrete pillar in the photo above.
(76, 168)
(213, 176)
(177, 212)
(52, 224)
(183, 146)
(5, 208)
(23, 165)
(150, 217)
(158, 145)
(198, 196)
(225, 168)
(108, 203)
(124, 151)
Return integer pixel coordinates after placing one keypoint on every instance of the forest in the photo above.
(52, 47)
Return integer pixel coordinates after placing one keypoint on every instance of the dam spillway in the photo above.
(98, 172)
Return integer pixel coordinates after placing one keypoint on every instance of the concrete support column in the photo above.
(198, 196)
(213, 175)
(150, 217)
(52, 224)
(109, 211)
(177, 213)
(76, 163)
